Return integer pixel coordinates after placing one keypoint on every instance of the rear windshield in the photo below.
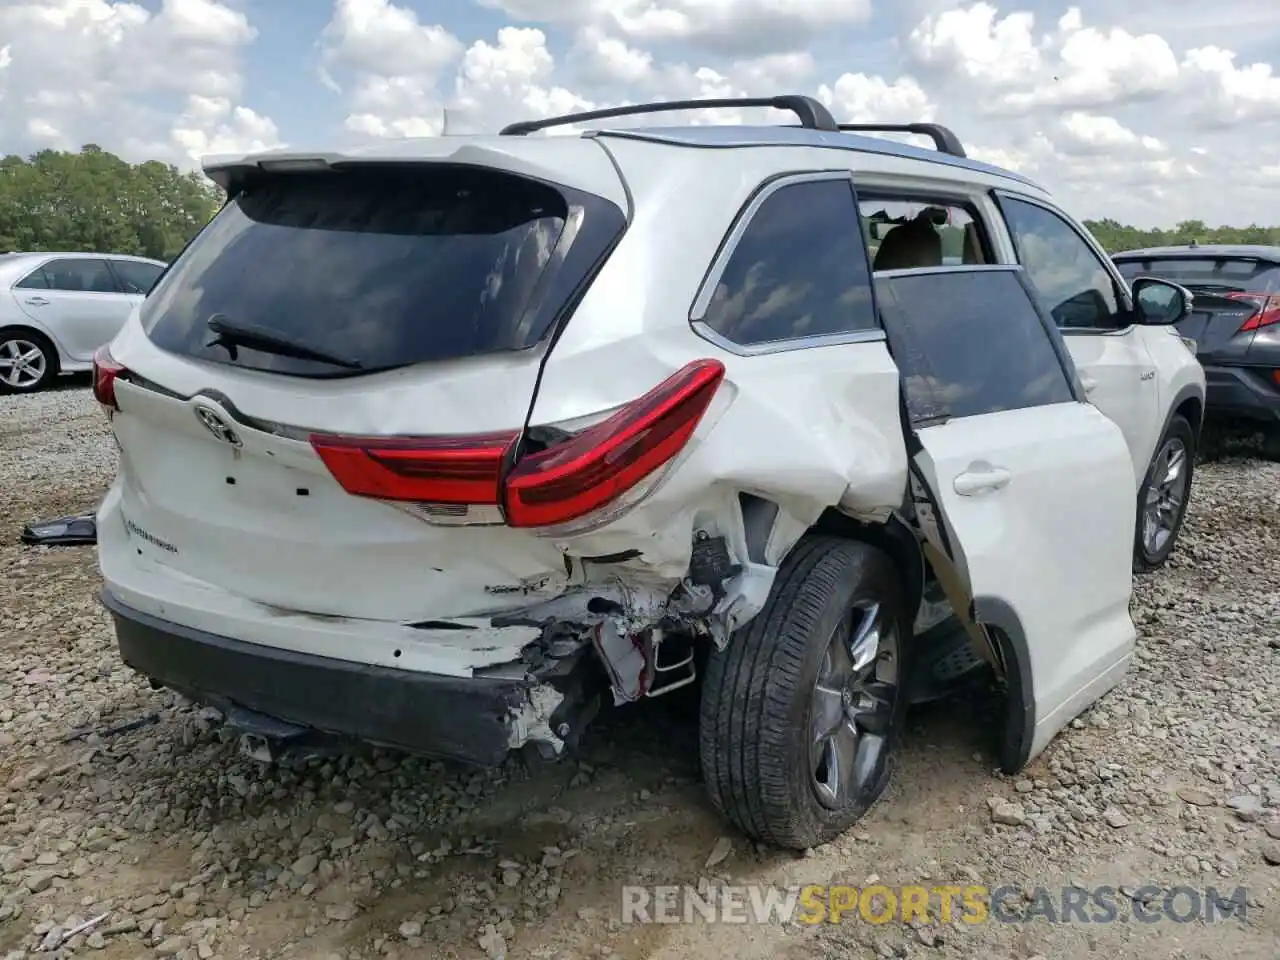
(1252, 276)
(379, 268)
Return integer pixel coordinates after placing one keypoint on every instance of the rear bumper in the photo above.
(1241, 393)
(469, 720)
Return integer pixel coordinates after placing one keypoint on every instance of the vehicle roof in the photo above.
(730, 136)
(549, 156)
(1245, 251)
(15, 255)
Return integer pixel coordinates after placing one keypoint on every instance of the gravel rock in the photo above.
(151, 815)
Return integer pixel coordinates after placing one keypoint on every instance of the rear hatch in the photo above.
(1234, 296)
(324, 315)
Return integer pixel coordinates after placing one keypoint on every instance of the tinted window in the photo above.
(1248, 276)
(1077, 288)
(908, 234)
(970, 343)
(136, 276)
(381, 267)
(35, 280)
(81, 275)
(799, 269)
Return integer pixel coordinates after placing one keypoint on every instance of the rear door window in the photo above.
(972, 342)
(798, 271)
(1238, 274)
(72, 275)
(382, 267)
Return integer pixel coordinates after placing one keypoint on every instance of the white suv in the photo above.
(441, 443)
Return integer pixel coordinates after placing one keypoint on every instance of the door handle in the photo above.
(37, 301)
(1088, 382)
(980, 478)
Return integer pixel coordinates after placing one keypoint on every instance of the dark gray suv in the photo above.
(1235, 322)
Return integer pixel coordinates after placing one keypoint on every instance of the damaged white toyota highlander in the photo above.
(443, 444)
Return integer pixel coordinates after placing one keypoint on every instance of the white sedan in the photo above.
(56, 309)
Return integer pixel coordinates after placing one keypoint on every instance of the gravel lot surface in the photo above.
(186, 850)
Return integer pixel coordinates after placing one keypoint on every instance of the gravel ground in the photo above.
(183, 849)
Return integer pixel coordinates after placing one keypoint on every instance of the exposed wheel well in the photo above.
(894, 538)
(1192, 409)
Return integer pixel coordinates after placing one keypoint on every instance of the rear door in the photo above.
(1035, 486)
(1232, 294)
(399, 314)
(78, 299)
(1091, 308)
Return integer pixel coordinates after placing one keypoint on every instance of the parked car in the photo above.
(1235, 322)
(441, 443)
(56, 309)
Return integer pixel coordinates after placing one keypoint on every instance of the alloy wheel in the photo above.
(22, 363)
(1166, 496)
(851, 712)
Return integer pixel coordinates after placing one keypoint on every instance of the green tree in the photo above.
(94, 201)
(1115, 236)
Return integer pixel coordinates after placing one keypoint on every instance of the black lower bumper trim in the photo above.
(1241, 393)
(446, 717)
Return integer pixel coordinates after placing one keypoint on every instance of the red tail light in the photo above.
(603, 462)
(105, 373)
(1268, 305)
(455, 470)
(552, 486)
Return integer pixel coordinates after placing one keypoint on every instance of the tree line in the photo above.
(93, 200)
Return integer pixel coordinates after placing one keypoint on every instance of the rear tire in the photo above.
(767, 697)
(28, 361)
(1164, 496)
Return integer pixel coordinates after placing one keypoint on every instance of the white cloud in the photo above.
(1123, 110)
(728, 26)
(111, 72)
(1092, 134)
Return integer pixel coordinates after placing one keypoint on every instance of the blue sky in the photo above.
(1136, 109)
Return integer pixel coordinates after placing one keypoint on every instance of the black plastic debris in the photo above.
(75, 531)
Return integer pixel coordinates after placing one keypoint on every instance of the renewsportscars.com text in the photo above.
(973, 904)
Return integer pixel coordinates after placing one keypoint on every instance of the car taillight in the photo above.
(452, 470)
(561, 483)
(106, 371)
(1268, 305)
(578, 476)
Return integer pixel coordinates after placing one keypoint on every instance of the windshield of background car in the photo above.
(1252, 276)
(387, 267)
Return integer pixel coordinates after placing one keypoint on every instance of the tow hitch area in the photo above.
(268, 740)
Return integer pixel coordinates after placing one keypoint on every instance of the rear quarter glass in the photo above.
(386, 267)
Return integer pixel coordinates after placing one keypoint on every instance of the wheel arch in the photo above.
(1004, 627)
(1188, 403)
(894, 537)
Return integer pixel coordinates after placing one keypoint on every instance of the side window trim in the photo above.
(742, 222)
(1123, 296)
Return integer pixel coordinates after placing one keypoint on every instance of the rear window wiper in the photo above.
(231, 335)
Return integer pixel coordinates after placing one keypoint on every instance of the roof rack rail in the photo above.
(943, 138)
(811, 113)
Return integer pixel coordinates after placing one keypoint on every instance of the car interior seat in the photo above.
(909, 245)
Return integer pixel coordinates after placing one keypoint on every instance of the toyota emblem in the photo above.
(212, 421)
